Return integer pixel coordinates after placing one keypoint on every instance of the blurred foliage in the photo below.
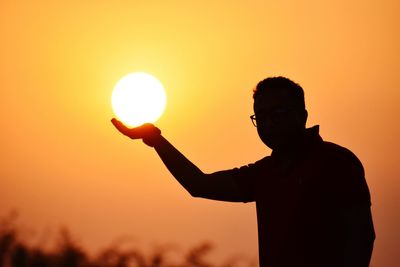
(15, 252)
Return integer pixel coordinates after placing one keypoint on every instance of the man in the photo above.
(312, 200)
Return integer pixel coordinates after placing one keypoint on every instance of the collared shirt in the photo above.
(300, 208)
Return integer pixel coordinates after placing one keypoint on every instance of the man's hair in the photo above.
(279, 83)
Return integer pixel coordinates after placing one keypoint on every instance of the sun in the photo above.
(138, 98)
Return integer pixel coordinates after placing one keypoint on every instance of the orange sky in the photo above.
(62, 162)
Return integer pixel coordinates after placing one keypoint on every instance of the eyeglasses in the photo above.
(253, 120)
(273, 114)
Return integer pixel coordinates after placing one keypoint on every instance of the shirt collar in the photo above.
(312, 135)
(311, 139)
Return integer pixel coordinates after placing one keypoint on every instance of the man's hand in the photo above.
(148, 132)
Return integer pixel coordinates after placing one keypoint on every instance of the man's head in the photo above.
(280, 113)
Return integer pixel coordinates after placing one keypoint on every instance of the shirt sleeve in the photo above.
(246, 178)
(243, 178)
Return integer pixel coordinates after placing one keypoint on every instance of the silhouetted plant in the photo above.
(14, 252)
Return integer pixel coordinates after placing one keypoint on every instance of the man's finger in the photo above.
(132, 133)
(119, 125)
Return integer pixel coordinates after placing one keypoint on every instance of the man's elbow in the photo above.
(370, 229)
(371, 236)
(199, 193)
(198, 186)
(194, 193)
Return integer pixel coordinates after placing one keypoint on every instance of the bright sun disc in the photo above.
(138, 98)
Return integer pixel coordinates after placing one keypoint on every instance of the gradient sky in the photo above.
(63, 163)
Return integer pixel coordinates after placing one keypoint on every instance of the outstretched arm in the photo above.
(217, 186)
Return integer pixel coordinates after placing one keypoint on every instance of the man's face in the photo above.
(280, 123)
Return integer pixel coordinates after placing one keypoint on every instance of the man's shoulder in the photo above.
(264, 162)
(333, 149)
(337, 154)
(346, 175)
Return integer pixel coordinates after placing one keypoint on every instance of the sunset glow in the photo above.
(63, 163)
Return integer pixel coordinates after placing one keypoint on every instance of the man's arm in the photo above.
(355, 206)
(218, 186)
(360, 236)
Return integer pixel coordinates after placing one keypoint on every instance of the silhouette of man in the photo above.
(312, 200)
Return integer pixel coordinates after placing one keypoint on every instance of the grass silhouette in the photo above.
(15, 252)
